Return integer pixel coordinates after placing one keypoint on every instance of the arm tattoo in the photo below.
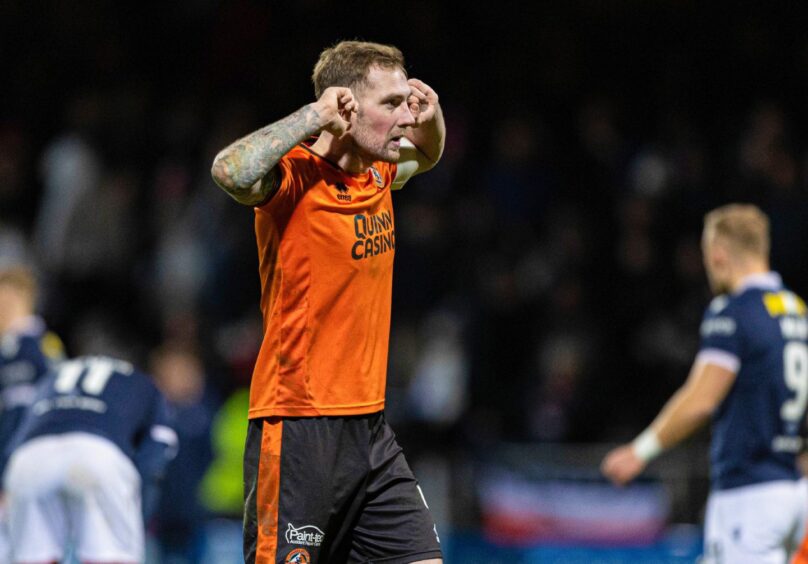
(241, 165)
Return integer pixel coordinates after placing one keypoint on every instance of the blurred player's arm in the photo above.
(687, 410)
(156, 450)
(246, 169)
(422, 146)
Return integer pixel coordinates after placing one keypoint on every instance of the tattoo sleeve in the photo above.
(239, 168)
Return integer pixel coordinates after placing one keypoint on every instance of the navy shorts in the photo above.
(332, 490)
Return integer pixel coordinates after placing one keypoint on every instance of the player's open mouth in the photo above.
(395, 142)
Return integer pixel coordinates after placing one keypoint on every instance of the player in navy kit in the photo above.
(97, 432)
(27, 350)
(751, 376)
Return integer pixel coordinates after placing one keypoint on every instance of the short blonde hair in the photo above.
(744, 226)
(347, 63)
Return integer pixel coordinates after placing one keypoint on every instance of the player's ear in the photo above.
(345, 114)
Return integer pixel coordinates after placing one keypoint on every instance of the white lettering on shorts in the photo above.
(307, 535)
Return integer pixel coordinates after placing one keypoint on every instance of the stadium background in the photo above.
(548, 282)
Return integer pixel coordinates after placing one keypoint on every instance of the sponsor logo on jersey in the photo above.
(784, 443)
(342, 192)
(795, 328)
(375, 235)
(377, 177)
(307, 535)
(298, 556)
(718, 326)
(719, 303)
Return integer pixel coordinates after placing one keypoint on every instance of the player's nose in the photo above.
(407, 118)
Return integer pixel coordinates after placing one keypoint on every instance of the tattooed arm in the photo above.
(246, 169)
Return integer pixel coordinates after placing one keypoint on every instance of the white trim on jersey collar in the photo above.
(765, 281)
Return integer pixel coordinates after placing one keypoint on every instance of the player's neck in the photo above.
(15, 320)
(341, 152)
(747, 269)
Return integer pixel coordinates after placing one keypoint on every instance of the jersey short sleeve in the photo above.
(159, 442)
(721, 335)
(291, 169)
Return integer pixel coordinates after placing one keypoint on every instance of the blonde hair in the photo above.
(744, 226)
(347, 63)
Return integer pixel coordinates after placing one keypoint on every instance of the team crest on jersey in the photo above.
(298, 556)
(377, 177)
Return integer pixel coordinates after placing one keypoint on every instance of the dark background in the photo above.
(548, 283)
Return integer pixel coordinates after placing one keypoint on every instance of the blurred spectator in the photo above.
(551, 397)
(437, 393)
(180, 518)
(71, 168)
(518, 181)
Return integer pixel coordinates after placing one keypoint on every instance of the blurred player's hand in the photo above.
(422, 101)
(622, 465)
(335, 107)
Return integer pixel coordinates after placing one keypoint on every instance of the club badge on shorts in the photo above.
(298, 556)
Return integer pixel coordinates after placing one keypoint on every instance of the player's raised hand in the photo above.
(335, 107)
(622, 465)
(423, 101)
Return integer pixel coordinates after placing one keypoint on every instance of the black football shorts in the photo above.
(332, 490)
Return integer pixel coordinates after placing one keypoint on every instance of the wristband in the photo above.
(646, 445)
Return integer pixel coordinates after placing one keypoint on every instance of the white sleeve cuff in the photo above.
(719, 358)
(164, 434)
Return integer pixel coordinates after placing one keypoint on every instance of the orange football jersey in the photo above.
(326, 241)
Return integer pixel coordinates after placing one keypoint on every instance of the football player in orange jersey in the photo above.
(325, 480)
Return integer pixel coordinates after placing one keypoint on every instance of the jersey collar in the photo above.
(764, 281)
(307, 147)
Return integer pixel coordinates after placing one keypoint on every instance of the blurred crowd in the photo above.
(548, 283)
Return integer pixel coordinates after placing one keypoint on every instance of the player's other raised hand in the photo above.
(335, 107)
(422, 101)
(622, 465)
